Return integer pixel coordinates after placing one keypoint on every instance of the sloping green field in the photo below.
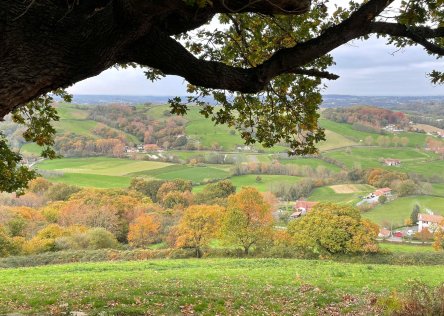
(310, 162)
(369, 157)
(193, 173)
(395, 212)
(100, 165)
(205, 286)
(327, 194)
(93, 180)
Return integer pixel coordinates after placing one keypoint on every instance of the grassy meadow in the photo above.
(328, 194)
(207, 287)
(398, 210)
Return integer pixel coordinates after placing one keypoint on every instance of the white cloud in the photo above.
(129, 82)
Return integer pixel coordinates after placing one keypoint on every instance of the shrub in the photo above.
(421, 300)
(100, 238)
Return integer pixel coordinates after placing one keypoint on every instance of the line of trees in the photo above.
(99, 218)
(370, 116)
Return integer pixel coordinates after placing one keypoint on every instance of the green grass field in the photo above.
(310, 162)
(68, 111)
(334, 140)
(100, 165)
(196, 174)
(410, 248)
(205, 286)
(31, 149)
(327, 194)
(368, 157)
(266, 184)
(93, 180)
(438, 189)
(347, 130)
(395, 212)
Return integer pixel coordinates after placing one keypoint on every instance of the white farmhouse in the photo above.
(430, 222)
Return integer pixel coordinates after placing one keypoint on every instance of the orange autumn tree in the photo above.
(143, 230)
(438, 243)
(198, 225)
(248, 220)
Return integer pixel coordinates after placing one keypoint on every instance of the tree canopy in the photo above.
(264, 63)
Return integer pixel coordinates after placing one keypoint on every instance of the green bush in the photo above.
(100, 238)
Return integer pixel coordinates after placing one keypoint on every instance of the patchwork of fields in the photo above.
(343, 149)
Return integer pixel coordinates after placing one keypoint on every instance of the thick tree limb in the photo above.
(172, 58)
(47, 45)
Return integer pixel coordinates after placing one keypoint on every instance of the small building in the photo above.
(384, 191)
(392, 162)
(384, 233)
(430, 221)
(301, 208)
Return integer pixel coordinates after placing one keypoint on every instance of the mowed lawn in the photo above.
(205, 286)
(395, 212)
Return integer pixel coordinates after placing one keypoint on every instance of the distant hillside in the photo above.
(330, 100)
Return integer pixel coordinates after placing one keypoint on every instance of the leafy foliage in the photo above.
(143, 231)
(247, 221)
(330, 229)
(36, 116)
(198, 225)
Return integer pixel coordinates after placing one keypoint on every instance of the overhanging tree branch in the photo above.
(418, 35)
(171, 57)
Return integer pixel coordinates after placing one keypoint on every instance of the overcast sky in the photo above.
(366, 68)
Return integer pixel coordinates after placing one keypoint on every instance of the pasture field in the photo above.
(310, 162)
(368, 157)
(266, 184)
(79, 127)
(196, 174)
(395, 212)
(267, 181)
(68, 111)
(31, 149)
(349, 188)
(206, 286)
(100, 165)
(415, 139)
(334, 140)
(438, 189)
(92, 180)
(404, 247)
(346, 130)
(328, 194)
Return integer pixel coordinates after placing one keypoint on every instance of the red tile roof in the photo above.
(382, 191)
(431, 218)
(307, 205)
